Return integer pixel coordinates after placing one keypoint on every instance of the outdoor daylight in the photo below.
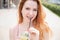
(18, 16)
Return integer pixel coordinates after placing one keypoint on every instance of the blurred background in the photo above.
(9, 17)
(53, 5)
(8, 3)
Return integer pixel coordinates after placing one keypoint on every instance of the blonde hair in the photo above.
(38, 22)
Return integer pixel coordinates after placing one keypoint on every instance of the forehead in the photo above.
(30, 3)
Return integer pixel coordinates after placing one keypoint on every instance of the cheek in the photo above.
(35, 14)
(24, 12)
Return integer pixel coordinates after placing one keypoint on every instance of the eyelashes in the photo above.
(34, 9)
(27, 8)
(30, 9)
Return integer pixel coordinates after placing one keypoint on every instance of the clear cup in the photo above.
(25, 36)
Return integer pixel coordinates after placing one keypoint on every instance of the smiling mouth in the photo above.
(29, 17)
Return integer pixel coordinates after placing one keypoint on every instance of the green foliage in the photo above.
(53, 7)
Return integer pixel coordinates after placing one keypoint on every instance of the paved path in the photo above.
(8, 19)
(54, 23)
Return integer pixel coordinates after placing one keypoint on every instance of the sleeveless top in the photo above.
(22, 36)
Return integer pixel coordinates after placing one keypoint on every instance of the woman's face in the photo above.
(29, 10)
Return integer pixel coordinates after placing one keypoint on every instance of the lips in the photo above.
(29, 17)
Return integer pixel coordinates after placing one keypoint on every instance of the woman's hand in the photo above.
(34, 33)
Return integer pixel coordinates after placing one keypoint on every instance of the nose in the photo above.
(30, 14)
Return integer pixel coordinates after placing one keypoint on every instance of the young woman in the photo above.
(31, 21)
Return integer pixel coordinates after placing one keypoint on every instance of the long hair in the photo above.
(38, 22)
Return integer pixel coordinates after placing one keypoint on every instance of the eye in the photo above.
(34, 9)
(27, 8)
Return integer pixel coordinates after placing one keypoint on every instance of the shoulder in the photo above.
(13, 32)
(14, 29)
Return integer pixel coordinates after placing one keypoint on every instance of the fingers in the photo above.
(33, 31)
